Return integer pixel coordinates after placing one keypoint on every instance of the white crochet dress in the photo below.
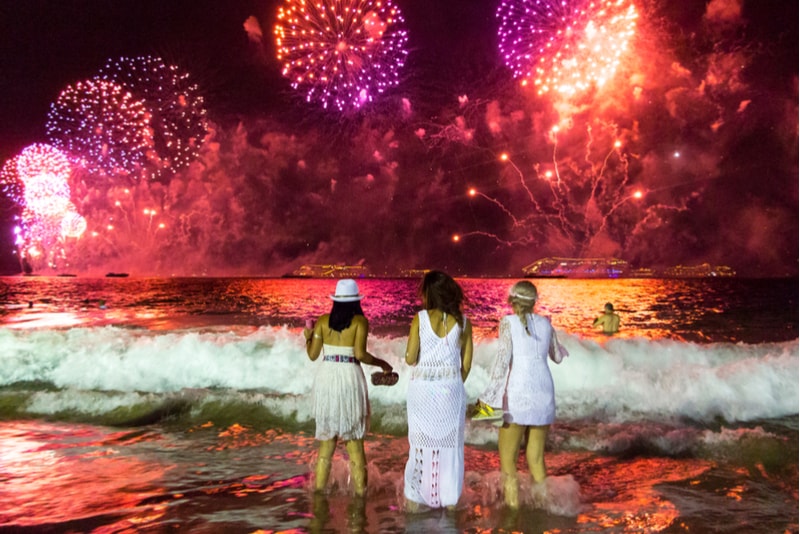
(341, 405)
(437, 403)
(520, 380)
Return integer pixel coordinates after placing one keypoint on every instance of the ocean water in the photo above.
(182, 405)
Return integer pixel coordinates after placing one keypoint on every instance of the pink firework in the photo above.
(37, 180)
(565, 46)
(34, 161)
(175, 108)
(40, 158)
(341, 53)
(46, 194)
(73, 224)
(102, 125)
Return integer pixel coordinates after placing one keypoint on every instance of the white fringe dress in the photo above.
(436, 405)
(520, 379)
(341, 405)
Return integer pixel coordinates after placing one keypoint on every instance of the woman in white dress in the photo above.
(440, 349)
(341, 405)
(522, 387)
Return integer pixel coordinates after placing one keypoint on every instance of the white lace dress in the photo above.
(436, 404)
(520, 381)
(341, 405)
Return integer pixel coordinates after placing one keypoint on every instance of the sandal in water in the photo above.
(487, 413)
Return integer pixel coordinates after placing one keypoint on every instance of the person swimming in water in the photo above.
(609, 321)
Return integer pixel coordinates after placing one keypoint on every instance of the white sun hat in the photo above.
(346, 291)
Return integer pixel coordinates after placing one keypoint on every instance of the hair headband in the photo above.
(514, 294)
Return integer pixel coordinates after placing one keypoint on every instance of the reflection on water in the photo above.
(701, 310)
(183, 473)
(56, 474)
(210, 479)
(637, 505)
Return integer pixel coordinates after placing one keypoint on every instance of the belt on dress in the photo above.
(339, 358)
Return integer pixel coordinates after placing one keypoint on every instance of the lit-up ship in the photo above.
(704, 270)
(577, 268)
(412, 273)
(617, 268)
(331, 271)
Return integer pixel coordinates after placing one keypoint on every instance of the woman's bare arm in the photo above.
(412, 347)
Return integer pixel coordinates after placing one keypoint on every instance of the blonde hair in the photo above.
(523, 295)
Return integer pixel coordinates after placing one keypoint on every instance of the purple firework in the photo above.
(103, 126)
(564, 46)
(176, 111)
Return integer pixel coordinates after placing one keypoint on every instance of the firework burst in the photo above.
(565, 46)
(10, 182)
(73, 224)
(37, 181)
(341, 53)
(103, 126)
(29, 166)
(46, 194)
(40, 158)
(175, 109)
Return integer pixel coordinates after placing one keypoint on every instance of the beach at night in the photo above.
(182, 183)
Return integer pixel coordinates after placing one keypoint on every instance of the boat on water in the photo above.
(116, 275)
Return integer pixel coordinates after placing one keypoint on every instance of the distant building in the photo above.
(577, 268)
(331, 271)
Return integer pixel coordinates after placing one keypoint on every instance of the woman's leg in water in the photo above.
(534, 452)
(508, 442)
(358, 465)
(324, 457)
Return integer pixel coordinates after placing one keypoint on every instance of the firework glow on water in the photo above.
(341, 53)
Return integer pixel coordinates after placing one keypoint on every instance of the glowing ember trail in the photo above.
(572, 201)
(341, 53)
(564, 46)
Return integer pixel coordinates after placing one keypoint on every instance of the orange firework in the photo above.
(341, 53)
(565, 46)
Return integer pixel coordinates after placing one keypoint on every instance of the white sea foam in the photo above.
(621, 380)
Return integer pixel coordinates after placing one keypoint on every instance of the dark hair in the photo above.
(342, 314)
(439, 291)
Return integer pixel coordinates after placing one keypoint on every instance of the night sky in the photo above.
(703, 108)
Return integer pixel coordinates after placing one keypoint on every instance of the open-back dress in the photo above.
(436, 404)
